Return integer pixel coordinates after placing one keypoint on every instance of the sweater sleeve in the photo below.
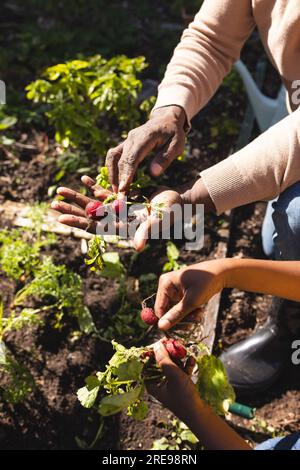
(205, 54)
(260, 171)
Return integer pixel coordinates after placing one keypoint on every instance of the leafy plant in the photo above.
(94, 257)
(16, 381)
(86, 99)
(179, 438)
(19, 255)
(172, 255)
(60, 290)
(122, 384)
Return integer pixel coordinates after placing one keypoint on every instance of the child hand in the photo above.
(188, 289)
(177, 392)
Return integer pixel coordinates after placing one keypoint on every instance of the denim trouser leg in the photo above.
(281, 226)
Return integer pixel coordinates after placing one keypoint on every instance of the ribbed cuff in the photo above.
(177, 95)
(226, 185)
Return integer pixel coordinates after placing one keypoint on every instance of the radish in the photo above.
(119, 205)
(175, 348)
(148, 316)
(94, 209)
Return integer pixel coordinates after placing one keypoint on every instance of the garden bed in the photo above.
(59, 359)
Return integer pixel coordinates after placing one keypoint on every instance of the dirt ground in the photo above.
(51, 417)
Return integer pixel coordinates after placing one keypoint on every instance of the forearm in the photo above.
(278, 278)
(212, 431)
(205, 54)
(260, 171)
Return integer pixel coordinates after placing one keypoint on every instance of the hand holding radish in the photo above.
(78, 210)
(186, 290)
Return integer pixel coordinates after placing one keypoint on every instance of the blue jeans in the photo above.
(281, 226)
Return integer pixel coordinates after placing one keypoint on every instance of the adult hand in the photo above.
(72, 210)
(184, 291)
(163, 133)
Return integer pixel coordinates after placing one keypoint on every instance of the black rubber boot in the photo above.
(254, 364)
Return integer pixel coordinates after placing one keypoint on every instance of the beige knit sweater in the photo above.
(206, 53)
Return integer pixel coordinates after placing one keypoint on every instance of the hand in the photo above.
(186, 395)
(73, 214)
(164, 198)
(163, 133)
(188, 289)
(73, 211)
(179, 394)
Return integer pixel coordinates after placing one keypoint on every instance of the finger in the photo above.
(143, 231)
(161, 354)
(169, 368)
(65, 208)
(138, 144)
(176, 313)
(165, 157)
(75, 221)
(190, 365)
(166, 293)
(73, 196)
(99, 192)
(112, 159)
(88, 181)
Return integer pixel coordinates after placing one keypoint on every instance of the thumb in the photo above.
(142, 233)
(165, 157)
(176, 313)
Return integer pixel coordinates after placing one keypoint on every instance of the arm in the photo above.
(211, 430)
(260, 171)
(205, 54)
(191, 287)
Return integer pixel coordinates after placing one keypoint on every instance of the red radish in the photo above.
(148, 316)
(175, 348)
(94, 209)
(119, 205)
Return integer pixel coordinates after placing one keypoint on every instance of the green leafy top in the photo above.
(102, 178)
(213, 384)
(96, 250)
(122, 384)
(60, 289)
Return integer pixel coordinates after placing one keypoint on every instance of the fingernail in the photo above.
(53, 204)
(156, 169)
(164, 324)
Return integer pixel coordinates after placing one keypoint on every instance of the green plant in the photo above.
(61, 291)
(16, 381)
(179, 438)
(142, 179)
(95, 252)
(87, 98)
(172, 255)
(122, 384)
(19, 253)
